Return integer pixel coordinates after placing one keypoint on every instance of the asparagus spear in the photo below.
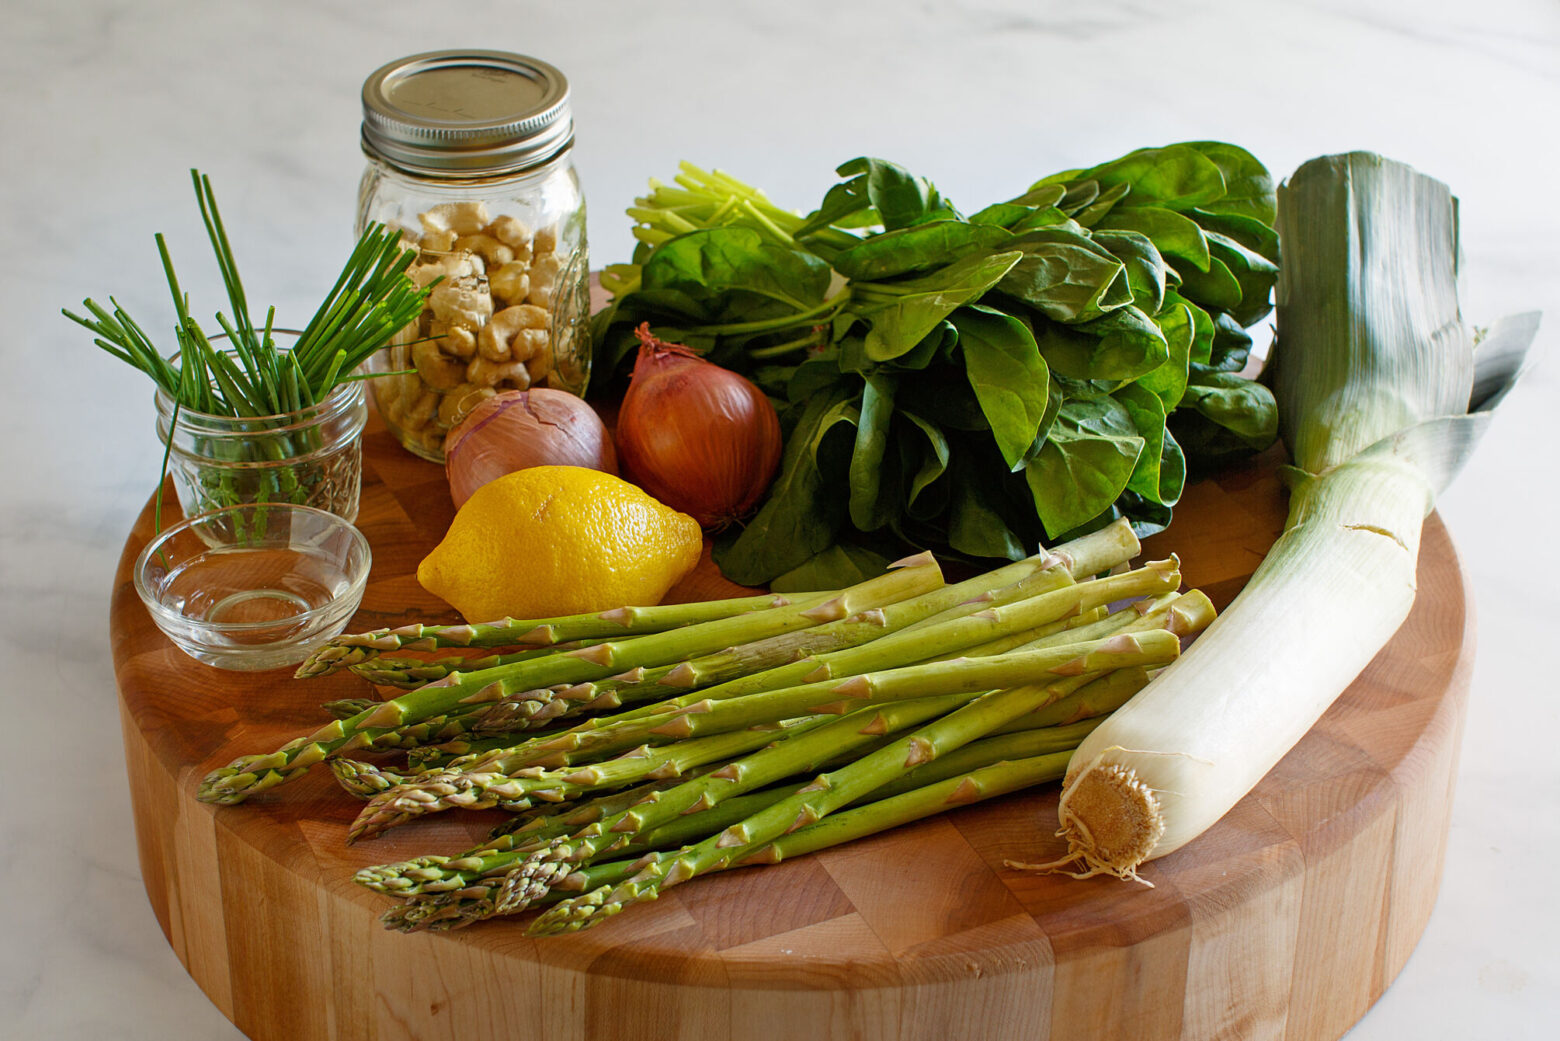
(474, 872)
(250, 774)
(955, 635)
(1098, 551)
(351, 649)
(365, 780)
(795, 754)
(534, 708)
(411, 673)
(510, 777)
(697, 727)
(827, 793)
(515, 891)
(346, 708)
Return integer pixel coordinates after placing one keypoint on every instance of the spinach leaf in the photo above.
(1168, 381)
(874, 486)
(928, 456)
(1224, 414)
(1145, 267)
(1248, 187)
(1066, 276)
(1216, 289)
(1123, 345)
(1254, 273)
(1173, 234)
(975, 525)
(1230, 347)
(708, 267)
(841, 565)
(903, 312)
(804, 509)
(1177, 177)
(918, 248)
(1102, 204)
(1009, 377)
(1151, 477)
(1089, 455)
(1248, 231)
(877, 188)
(1043, 196)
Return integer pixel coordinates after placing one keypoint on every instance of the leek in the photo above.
(1382, 396)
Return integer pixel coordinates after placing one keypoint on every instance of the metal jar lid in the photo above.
(466, 113)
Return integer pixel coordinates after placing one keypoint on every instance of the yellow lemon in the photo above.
(556, 540)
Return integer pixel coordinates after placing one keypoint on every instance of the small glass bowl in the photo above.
(252, 587)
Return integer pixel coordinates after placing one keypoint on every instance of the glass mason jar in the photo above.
(311, 457)
(469, 156)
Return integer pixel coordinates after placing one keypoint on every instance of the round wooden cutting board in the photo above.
(1286, 920)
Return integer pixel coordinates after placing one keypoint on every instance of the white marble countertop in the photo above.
(108, 103)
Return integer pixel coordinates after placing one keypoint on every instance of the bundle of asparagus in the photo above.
(642, 747)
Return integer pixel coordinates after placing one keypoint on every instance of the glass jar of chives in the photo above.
(309, 457)
(469, 156)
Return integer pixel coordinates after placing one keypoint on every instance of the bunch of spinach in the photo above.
(971, 384)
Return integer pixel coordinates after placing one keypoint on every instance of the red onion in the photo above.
(517, 429)
(698, 437)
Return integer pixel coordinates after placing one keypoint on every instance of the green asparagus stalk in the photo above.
(431, 794)
(365, 780)
(827, 793)
(956, 635)
(695, 728)
(351, 649)
(1048, 570)
(477, 873)
(346, 708)
(535, 708)
(250, 774)
(411, 673)
(479, 780)
(516, 892)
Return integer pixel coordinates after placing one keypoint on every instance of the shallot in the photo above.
(698, 437)
(517, 429)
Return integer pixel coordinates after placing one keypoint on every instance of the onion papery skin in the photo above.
(700, 438)
(518, 429)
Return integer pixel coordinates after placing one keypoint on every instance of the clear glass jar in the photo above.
(312, 457)
(490, 199)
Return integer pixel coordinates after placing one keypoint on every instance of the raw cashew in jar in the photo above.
(512, 282)
(463, 218)
(512, 232)
(437, 369)
(456, 403)
(422, 410)
(544, 275)
(459, 342)
(540, 364)
(465, 302)
(487, 247)
(545, 240)
(440, 264)
(486, 373)
(494, 339)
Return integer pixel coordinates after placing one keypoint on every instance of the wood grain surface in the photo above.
(1286, 920)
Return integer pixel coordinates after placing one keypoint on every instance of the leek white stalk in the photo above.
(1380, 405)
